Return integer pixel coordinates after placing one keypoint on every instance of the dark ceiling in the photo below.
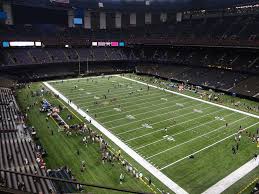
(173, 5)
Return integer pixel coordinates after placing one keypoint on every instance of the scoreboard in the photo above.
(108, 44)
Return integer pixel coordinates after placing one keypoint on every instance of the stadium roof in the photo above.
(174, 5)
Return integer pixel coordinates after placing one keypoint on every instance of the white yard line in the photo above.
(121, 102)
(160, 121)
(232, 178)
(145, 112)
(83, 85)
(156, 131)
(122, 92)
(145, 164)
(141, 107)
(205, 148)
(193, 98)
(82, 78)
(184, 131)
(158, 115)
(73, 93)
(190, 140)
(125, 107)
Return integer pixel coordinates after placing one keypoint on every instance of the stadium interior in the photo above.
(196, 45)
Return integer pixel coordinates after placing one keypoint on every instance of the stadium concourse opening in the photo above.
(113, 96)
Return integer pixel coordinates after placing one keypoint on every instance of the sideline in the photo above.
(113, 150)
(233, 177)
(193, 98)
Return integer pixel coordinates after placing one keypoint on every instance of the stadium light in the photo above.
(100, 5)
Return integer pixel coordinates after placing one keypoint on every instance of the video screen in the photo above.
(78, 21)
(5, 44)
(122, 44)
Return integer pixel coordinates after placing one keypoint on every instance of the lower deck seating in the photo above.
(9, 113)
(167, 71)
(17, 153)
(249, 87)
(235, 82)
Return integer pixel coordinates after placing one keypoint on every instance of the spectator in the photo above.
(121, 178)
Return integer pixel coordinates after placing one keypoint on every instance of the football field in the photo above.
(184, 138)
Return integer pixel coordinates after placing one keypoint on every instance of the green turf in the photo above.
(62, 149)
(193, 125)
